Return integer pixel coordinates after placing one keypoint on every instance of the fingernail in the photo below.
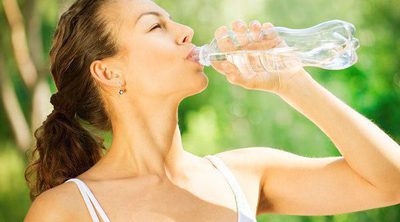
(255, 23)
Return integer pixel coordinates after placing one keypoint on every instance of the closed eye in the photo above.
(156, 26)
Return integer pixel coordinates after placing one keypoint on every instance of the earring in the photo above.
(121, 91)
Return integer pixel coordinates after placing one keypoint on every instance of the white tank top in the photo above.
(244, 213)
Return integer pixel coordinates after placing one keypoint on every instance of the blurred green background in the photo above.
(224, 116)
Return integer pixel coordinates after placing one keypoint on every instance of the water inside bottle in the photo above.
(329, 55)
(251, 63)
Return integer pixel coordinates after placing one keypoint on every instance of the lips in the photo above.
(193, 55)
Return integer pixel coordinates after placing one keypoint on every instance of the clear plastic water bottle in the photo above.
(329, 45)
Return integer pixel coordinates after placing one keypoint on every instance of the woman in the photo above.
(122, 65)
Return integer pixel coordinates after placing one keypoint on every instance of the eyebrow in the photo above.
(151, 13)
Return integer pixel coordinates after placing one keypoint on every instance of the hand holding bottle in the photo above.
(265, 57)
(247, 75)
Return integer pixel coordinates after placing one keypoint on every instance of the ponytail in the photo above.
(64, 148)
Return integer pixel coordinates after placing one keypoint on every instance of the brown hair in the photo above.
(64, 148)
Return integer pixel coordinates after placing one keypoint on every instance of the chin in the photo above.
(203, 82)
(198, 85)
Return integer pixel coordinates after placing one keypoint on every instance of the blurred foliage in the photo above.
(226, 116)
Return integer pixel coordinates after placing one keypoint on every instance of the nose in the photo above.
(186, 35)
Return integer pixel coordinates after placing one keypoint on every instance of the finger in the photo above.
(269, 33)
(233, 77)
(233, 74)
(255, 35)
(240, 28)
(273, 35)
(224, 67)
(229, 68)
(220, 32)
(255, 30)
(270, 36)
(224, 43)
(217, 65)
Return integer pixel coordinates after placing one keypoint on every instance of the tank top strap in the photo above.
(90, 200)
(243, 208)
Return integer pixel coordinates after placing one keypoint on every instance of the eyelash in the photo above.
(157, 26)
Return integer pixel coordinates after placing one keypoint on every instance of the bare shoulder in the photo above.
(56, 204)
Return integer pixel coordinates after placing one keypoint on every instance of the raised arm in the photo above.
(366, 176)
(366, 148)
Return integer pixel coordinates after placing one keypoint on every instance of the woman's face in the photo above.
(153, 51)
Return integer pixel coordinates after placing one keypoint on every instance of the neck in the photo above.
(147, 141)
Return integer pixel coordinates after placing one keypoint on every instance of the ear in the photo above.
(103, 74)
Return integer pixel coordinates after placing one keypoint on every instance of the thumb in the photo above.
(232, 73)
(229, 68)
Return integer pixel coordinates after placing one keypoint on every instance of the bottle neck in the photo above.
(204, 52)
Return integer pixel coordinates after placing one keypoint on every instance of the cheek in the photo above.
(156, 66)
(156, 57)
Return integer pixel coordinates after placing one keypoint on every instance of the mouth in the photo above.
(193, 55)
